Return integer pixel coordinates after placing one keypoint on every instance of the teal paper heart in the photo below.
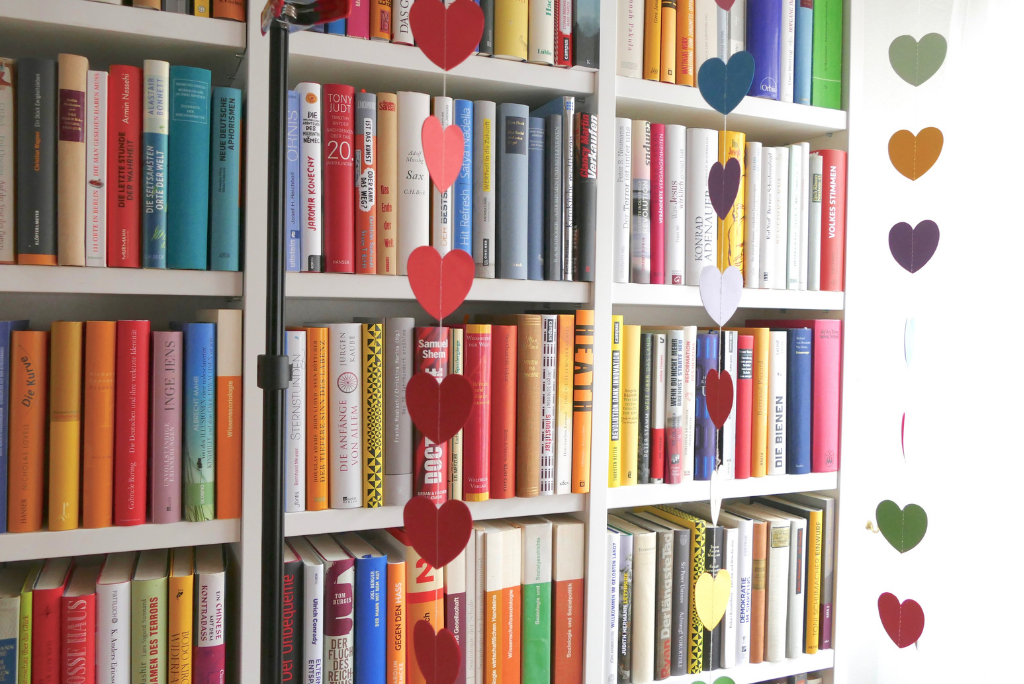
(903, 528)
(915, 62)
(723, 86)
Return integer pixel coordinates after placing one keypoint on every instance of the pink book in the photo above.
(165, 427)
(826, 388)
(209, 655)
(358, 24)
(658, 203)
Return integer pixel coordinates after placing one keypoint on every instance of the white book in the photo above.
(312, 181)
(8, 166)
(660, 375)
(402, 28)
(705, 32)
(485, 164)
(643, 601)
(777, 352)
(752, 238)
(727, 440)
(471, 637)
(623, 200)
(295, 452)
(675, 413)
(768, 219)
(443, 217)
(788, 53)
(113, 619)
(344, 416)
(640, 220)
(805, 209)
(479, 541)
(339, 585)
(814, 223)
(95, 170)
(689, 398)
(738, 27)
(675, 204)
(701, 220)
(312, 610)
(548, 386)
(781, 233)
(541, 45)
(611, 630)
(398, 433)
(722, 51)
(730, 621)
(413, 178)
(624, 616)
(795, 211)
(796, 582)
(210, 596)
(629, 54)
(563, 418)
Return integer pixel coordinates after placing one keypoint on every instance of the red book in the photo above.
(826, 387)
(658, 204)
(46, 623)
(476, 435)
(563, 33)
(744, 405)
(430, 461)
(503, 411)
(124, 178)
(78, 626)
(833, 219)
(131, 420)
(339, 179)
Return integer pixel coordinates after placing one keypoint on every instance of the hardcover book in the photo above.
(398, 429)
(456, 366)
(8, 219)
(484, 187)
(387, 183)
(345, 414)
(72, 84)
(568, 585)
(337, 202)
(339, 609)
(113, 616)
(188, 168)
(317, 379)
(149, 617)
(95, 173)
(7, 366)
(584, 224)
(225, 156)
(503, 411)
(656, 152)
(413, 178)
(442, 214)
(37, 161)
(310, 178)
(211, 610)
(582, 400)
(373, 414)
(65, 422)
(462, 198)
(165, 432)
(430, 460)
(513, 187)
(368, 584)
(155, 127)
(640, 228)
(535, 193)
(198, 439)
(180, 638)
(701, 241)
(124, 142)
(131, 421)
(292, 186)
(295, 400)
(764, 42)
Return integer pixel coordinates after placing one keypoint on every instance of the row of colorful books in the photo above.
(779, 553)
(786, 228)
(797, 45)
(218, 9)
(359, 198)
(145, 616)
(785, 410)
(107, 423)
(351, 441)
(513, 599)
(563, 33)
(131, 167)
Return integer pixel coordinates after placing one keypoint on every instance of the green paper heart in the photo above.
(903, 528)
(721, 680)
(915, 62)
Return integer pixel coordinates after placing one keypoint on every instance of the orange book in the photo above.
(98, 424)
(380, 20)
(759, 402)
(424, 598)
(228, 454)
(685, 74)
(396, 650)
(27, 430)
(582, 400)
(567, 615)
(652, 40)
(316, 419)
(511, 599)
(758, 588)
(65, 422)
(229, 9)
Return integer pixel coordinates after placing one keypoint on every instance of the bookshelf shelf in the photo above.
(762, 672)
(119, 281)
(689, 295)
(27, 545)
(652, 494)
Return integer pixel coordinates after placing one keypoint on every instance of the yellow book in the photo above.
(456, 353)
(201, 8)
(629, 419)
(563, 404)
(615, 438)
(373, 415)
(511, 24)
(65, 422)
(652, 40)
(668, 41)
(730, 229)
(179, 616)
(759, 403)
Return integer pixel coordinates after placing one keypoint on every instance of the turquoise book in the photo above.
(198, 414)
(224, 178)
(155, 122)
(188, 168)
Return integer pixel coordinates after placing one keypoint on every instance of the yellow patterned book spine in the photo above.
(373, 415)
(456, 352)
(179, 617)
(615, 424)
(629, 415)
(65, 422)
(730, 229)
(652, 40)
(511, 24)
(813, 615)
(668, 41)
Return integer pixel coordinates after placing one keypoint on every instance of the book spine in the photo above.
(292, 189)
(313, 646)
(640, 224)
(209, 657)
(541, 47)
(535, 199)
(803, 49)
(373, 415)
(612, 637)
(781, 233)
(798, 594)
(657, 205)
(365, 166)
(317, 460)
(689, 390)
(705, 439)
(486, 46)
(413, 179)
(165, 430)
(652, 40)
(387, 182)
(563, 33)
(95, 176)
(113, 633)
(629, 420)
(814, 222)
(456, 366)
(663, 610)
(396, 623)
(513, 188)
(732, 145)
(36, 156)
(198, 411)
(764, 42)
(155, 127)
(548, 388)
(754, 224)
(738, 27)
(229, 410)
(295, 455)
(291, 628)
(553, 237)
(564, 405)
(705, 33)
(425, 600)
(511, 599)
(769, 220)
(569, 154)
(398, 432)
(730, 622)
(777, 401)
(345, 415)
(723, 34)
(511, 26)
(78, 638)
(582, 400)
(430, 460)
(455, 609)
(727, 436)
(833, 219)
(623, 198)
(72, 83)
(798, 397)
(668, 41)
(98, 425)
(463, 193)
(680, 602)
(131, 407)
(229, 9)
(788, 53)
(149, 630)
(358, 21)
(827, 60)
(536, 604)
(484, 187)
(28, 376)
(744, 404)
(659, 369)
(312, 183)
(225, 155)
(402, 29)
(180, 590)
(585, 213)
(701, 222)
(201, 8)
(503, 411)
(615, 419)
(713, 563)
(188, 168)
(8, 141)
(65, 421)
(380, 20)
(624, 645)
(685, 71)
(675, 204)
(529, 337)
(471, 643)
(675, 412)
(826, 376)
(491, 610)
(369, 652)
(338, 164)
(442, 214)
(794, 206)
(586, 20)
(629, 47)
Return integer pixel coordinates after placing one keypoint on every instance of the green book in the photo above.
(25, 625)
(536, 600)
(827, 59)
(149, 618)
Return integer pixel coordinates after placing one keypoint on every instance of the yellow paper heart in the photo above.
(711, 596)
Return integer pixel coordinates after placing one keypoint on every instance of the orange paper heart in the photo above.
(443, 150)
(913, 155)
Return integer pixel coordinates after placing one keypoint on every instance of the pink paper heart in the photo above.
(725, 4)
(447, 36)
(442, 150)
(440, 284)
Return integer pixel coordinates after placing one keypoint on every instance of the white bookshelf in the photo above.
(763, 672)
(341, 286)
(653, 494)
(119, 281)
(689, 296)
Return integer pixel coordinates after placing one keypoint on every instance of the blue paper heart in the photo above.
(723, 87)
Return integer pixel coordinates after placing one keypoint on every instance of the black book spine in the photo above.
(553, 199)
(586, 33)
(487, 39)
(37, 161)
(643, 446)
(292, 642)
(715, 539)
(585, 212)
(681, 604)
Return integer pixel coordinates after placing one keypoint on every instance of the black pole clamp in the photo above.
(273, 372)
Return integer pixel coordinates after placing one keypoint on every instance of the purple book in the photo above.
(165, 430)
(764, 43)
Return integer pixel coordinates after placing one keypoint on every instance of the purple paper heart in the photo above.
(913, 247)
(723, 184)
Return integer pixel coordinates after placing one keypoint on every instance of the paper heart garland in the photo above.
(447, 36)
(908, 341)
(904, 622)
(711, 597)
(725, 4)
(915, 62)
(714, 496)
(439, 409)
(424, 523)
(720, 292)
(437, 655)
(440, 284)
(443, 151)
(913, 247)
(722, 85)
(904, 528)
(913, 155)
(903, 436)
(718, 391)
(723, 184)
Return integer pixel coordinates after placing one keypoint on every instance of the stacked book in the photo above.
(111, 423)
(779, 554)
(513, 599)
(797, 45)
(786, 228)
(359, 198)
(129, 168)
(145, 617)
(351, 441)
(785, 409)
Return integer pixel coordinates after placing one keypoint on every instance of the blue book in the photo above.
(188, 168)
(463, 196)
(705, 434)
(513, 191)
(224, 179)
(155, 126)
(535, 209)
(338, 28)
(370, 593)
(292, 188)
(6, 327)
(764, 43)
(804, 49)
(798, 401)
(198, 413)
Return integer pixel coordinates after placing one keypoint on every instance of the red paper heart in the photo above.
(718, 393)
(725, 4)
(446, 36)
(439, 409)
(903, 623)
(443, 151)
(423, 523)
(438, 655)
(440, 285)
